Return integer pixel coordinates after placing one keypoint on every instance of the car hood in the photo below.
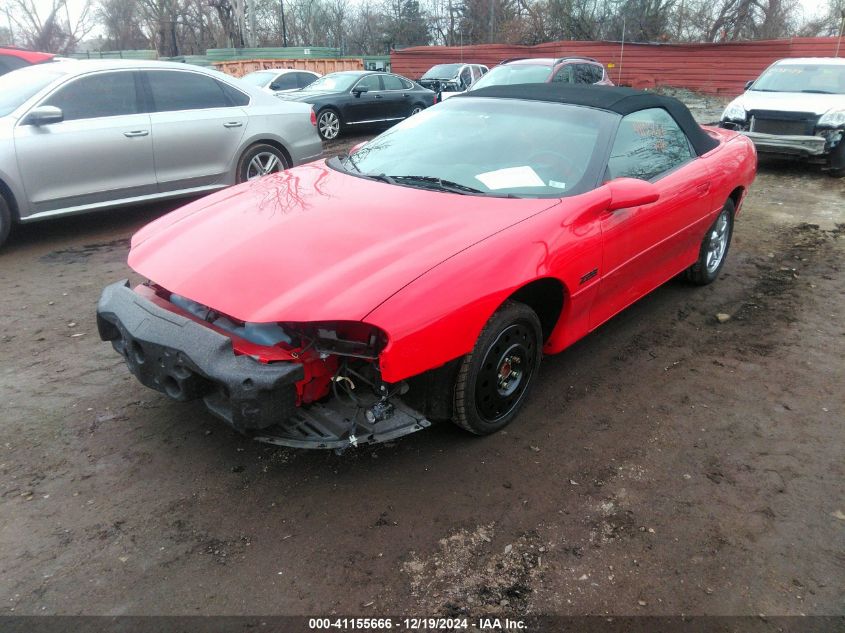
(791, 101)
(313, 243)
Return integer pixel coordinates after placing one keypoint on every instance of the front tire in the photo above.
(714, 248)
(496, 377)
(837, 161)
(328, 124)
(5, 220)
(261, 160)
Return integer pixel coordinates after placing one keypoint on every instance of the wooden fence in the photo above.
(709, 68)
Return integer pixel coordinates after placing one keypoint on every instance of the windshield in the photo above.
(260, 78)
(514, 74)
(442, 71)
(811, 78)
(19, 85)
(550, 148)
(335, 81)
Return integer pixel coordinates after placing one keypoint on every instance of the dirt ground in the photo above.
(667, 464)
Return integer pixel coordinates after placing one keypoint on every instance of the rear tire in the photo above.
(261, 160)
(496, 377)
(714, 248)
(5, 220)
(329, 125)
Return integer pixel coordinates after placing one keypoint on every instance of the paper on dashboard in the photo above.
(511, 178)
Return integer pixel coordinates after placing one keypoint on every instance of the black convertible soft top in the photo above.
(614, 99)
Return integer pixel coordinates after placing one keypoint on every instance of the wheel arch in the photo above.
(319, 109)
(267, 141)
(547, 296)
(9, 197)
(736, 196)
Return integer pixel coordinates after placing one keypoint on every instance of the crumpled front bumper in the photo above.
(186, 360)
(782, 144)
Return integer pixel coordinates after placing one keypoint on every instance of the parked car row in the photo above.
(343, 100)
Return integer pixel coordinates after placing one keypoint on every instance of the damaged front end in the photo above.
(305, 385)
(785, 133)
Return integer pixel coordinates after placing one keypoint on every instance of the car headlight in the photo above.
(734, 112)
(833, 118)
(343, 338)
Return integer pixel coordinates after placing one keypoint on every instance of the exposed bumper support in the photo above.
(777, 144)
(187, 360)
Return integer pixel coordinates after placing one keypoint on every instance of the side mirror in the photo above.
(358, 90)
(748, 84)
(44, 115)
(275, 86)
(631, 192)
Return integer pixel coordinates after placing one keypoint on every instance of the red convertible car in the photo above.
(423, 276)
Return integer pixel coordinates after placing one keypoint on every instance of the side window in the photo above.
(598, 73)
(288, 81)
(305, 79)
(9, 63)
(371, 82)
(96, 96)
(648, 143)
(235, 96)
(584, 74)
(466, 77)
(174, 90)
(407, 84)
(564, 75)
(392, 82)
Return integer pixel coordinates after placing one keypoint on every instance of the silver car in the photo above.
(279, 81)
(86, 135)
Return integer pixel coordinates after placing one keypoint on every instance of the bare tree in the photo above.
(828, 23)
(122, 22)
(49, 27)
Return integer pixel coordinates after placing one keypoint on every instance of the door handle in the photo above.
(233, 124)
(135, 133)
(379, 97)
(703, 188)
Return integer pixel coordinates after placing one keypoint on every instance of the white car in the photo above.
(451, 79)
(281, 80)
(795, 108)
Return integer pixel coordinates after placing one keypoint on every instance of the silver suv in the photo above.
(86, 135)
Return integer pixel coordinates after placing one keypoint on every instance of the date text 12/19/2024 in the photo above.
(417, 624)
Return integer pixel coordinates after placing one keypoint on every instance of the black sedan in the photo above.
(357, 98)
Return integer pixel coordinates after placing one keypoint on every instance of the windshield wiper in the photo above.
(818, 92)
(433, 182)
(381, 178)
